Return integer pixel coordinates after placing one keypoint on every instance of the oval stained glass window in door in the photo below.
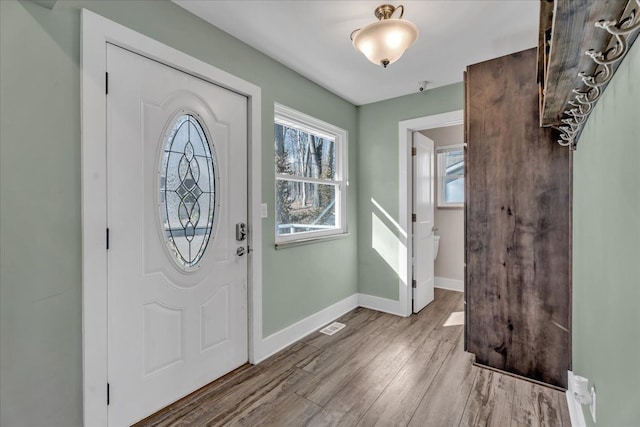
(187, 191)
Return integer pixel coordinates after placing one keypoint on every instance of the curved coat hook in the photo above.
(583, 100)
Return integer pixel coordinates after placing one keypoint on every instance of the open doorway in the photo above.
(449, 206)
(446, 130)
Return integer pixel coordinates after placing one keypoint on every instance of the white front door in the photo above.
(177, 186)
(423, 208)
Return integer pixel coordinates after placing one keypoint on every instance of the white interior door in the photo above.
(423, 208)
(177, 185)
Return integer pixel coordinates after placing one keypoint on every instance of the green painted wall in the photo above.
(40, 231)
(378, 180)
(606, 249)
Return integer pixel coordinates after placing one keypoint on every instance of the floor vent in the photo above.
(332, 328)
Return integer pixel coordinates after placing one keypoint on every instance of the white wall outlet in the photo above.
(592, 405)
(264, 210)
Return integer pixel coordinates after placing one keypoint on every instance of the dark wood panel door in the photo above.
(518, 230)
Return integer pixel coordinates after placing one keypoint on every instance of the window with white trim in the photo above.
(450, 176)
(311, 177)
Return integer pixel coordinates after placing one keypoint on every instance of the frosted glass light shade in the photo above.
(383, 42)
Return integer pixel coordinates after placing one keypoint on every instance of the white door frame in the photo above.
(405, 190)
(96, 32)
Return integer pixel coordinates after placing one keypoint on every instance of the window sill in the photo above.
(293, 243)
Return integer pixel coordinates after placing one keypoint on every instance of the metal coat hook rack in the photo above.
(581, 106)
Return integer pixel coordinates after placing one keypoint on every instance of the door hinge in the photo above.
(414, 151)
(413, 284)
(108, 394)
(106, 84)
(107, 238)
(413, 218)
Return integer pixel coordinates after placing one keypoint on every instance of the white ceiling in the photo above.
(312, 38)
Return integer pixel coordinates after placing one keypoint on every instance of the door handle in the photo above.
(240, 251)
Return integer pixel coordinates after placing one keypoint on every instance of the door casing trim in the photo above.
(405, 190)
(96, 32)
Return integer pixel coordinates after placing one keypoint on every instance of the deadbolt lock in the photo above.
(241, 231)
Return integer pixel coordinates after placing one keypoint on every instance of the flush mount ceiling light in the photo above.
(385, 41)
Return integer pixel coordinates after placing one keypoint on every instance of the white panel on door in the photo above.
(162, 337)
(214, 318)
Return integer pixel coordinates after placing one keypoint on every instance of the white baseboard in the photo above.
(287, 336)
(450, 284)
(575, 409)
(381, 304)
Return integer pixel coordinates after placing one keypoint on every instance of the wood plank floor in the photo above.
(379, 370)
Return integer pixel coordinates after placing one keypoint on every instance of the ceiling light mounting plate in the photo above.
(386, 11)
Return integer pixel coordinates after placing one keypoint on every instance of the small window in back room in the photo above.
(311, 177)
(451, 176)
